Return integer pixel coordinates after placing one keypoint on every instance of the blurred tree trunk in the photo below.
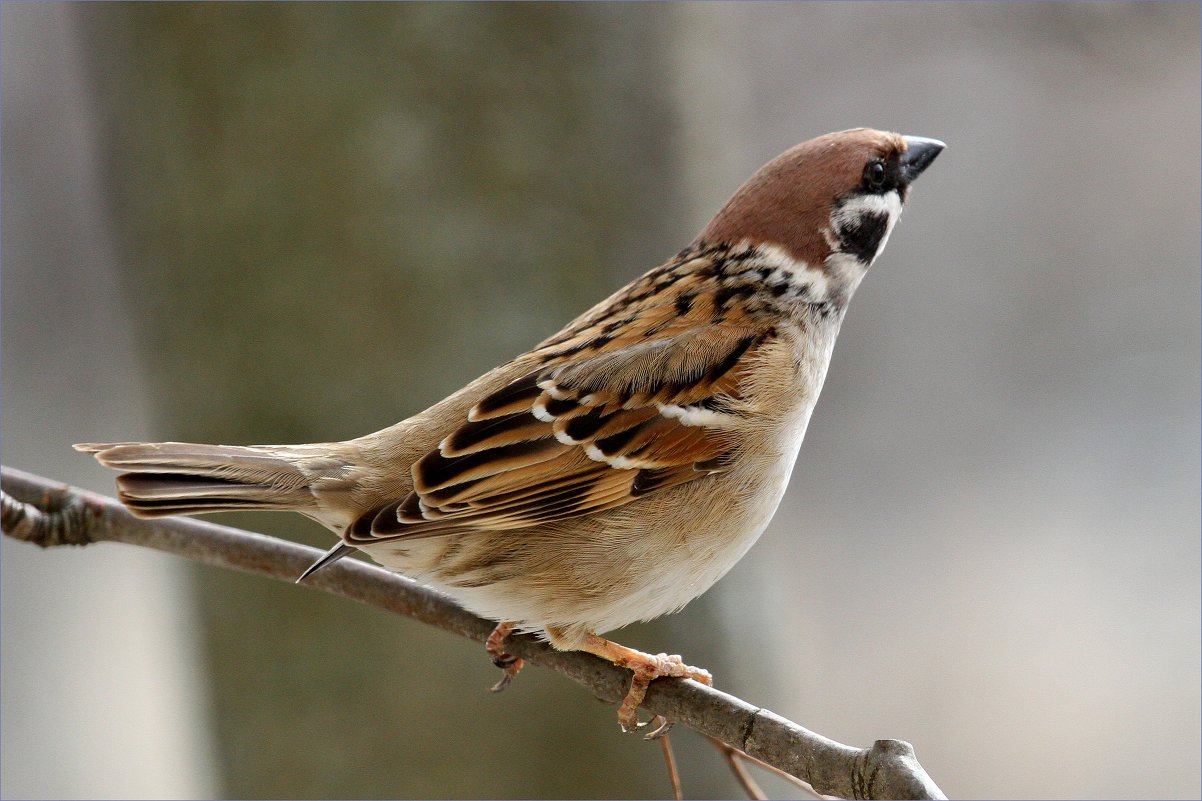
(332, 217)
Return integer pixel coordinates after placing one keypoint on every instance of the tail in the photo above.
(180, 478)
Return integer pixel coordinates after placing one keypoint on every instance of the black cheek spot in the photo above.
(862, 237)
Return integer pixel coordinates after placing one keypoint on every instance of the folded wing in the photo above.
(579, 436)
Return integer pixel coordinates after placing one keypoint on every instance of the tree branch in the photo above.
(50, 514)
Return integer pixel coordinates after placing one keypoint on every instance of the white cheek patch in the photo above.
(854, 207)
(894, 209)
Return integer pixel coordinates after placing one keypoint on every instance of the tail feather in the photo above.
(171, 478)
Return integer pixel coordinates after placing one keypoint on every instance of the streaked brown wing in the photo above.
(578, 437)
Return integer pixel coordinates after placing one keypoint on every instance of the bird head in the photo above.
(829, 204)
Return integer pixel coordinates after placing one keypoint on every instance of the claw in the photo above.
(505, 661)
(646, 669)
(662, 730)
(511, 669)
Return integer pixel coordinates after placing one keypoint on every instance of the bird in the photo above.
(620, 467)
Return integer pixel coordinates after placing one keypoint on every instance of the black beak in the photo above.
(920, 152)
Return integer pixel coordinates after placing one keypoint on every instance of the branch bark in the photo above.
(50, 514)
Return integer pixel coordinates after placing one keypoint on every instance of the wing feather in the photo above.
(585, 433)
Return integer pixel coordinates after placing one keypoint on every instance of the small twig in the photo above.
(665, 743)
(50, 514)
(733, 758)
(731, 755)
(789, 777)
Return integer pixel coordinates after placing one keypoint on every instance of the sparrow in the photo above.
(620, 467)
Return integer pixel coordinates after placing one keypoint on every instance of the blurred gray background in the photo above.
(285, 223)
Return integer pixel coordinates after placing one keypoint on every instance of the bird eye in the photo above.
(874, 175)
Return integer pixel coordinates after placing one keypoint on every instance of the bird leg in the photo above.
(646, 668)
(507, 662)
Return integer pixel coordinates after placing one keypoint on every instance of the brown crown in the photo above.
(789, 200)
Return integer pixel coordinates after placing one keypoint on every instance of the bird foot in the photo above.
(506, 661)
(647, 668)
